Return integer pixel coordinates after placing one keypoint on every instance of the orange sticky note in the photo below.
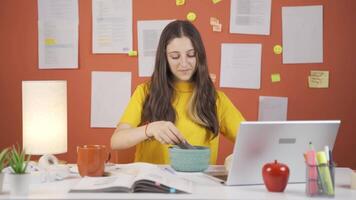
(214, 21)
(275, 78)
(217, 28)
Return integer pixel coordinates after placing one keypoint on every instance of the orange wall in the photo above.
(19, 61)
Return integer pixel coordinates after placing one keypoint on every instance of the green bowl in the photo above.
(189, 160)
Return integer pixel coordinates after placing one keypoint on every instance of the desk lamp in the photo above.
(44, 118)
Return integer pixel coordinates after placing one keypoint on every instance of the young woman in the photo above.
(178, 104)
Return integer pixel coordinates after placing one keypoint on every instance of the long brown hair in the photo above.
(158, 103)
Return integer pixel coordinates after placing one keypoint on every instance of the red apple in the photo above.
(275, 176)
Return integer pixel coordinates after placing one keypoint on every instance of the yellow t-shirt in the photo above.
(152, 151)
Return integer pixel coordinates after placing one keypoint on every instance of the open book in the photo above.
(136, 177)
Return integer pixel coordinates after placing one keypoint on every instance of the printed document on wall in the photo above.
(110, 95)
(53, 10)
(250, 16)
(302, 29)
(58, 44)
(240, 65)
(272, 108)
(112, 26)
(148, 33)
(58, 34)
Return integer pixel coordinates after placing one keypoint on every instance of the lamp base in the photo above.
(52, 169)
(47, 160)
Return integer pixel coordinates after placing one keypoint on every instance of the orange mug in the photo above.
(91, 159)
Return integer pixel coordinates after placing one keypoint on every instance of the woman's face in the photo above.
(181, 58)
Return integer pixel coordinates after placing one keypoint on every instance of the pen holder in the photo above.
(320, 180)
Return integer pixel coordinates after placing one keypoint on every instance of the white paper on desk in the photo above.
(112, 26)
(110, 95)
(58, 44)
(148, 33)
(66, 10)
(272, 108)
(250, 16)
(240, 65)
(302, 29)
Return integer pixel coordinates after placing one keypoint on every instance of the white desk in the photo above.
(205, 188)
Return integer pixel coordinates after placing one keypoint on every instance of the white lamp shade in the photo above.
(44, 117)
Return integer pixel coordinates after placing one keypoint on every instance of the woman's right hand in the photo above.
(165, 132)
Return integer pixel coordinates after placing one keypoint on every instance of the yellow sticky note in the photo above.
(214, 21)
(217, 28)
(275, 78)
(319, 73)
(318, 79)
(277, 49)
(50, 41)
(216, 1)
(212, 77)
(318, 82)
(132, 53)
(191, 16)
(180, 2)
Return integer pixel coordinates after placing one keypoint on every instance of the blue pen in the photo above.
(331, 166)
(331, 161)
(169, 170)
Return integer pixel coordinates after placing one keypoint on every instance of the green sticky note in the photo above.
(132, 53)
(180, 2)
(275, 78)
(191, 16)
(216, 1)
(277, 49)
